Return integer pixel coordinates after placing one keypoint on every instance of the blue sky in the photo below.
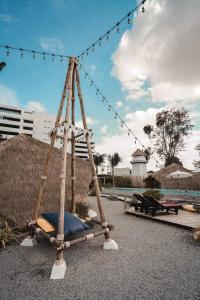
(75, 24)
(121, 67)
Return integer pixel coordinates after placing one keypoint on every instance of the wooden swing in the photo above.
(59, 267)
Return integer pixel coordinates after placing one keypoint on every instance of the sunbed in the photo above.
(150, 205)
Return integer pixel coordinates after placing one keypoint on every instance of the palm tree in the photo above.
(114, 160)
(98, 160)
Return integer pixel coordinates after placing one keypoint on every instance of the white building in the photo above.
(14, 121)
(139, 164)
(122, 172)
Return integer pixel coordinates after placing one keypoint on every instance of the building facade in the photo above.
(15, 121)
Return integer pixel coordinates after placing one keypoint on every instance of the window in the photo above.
(28, 121)
(10, 110)
(11, 119)
(27, 128)
(8, 132)
(9, 125)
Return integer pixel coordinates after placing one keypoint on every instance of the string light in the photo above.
(22, 53)
(115, 27)
(116, 115)
(33, 54)
(129, 20)
(7, 52)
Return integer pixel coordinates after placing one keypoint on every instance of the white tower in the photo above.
(139, 164)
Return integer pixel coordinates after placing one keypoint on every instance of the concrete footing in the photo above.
(58, 270)
(29, 242)
(110, 245)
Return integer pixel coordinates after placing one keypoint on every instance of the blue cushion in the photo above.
(72, 224)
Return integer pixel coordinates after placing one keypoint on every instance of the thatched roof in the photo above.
(138, 152)
(169, 169)
(21, 161)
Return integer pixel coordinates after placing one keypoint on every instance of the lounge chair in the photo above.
(141, 203)
(155, 205)
(150, 205)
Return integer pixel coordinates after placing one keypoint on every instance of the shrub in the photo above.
(7, 235)
(153, 193)
(123, 181)
(92, 191)
(82, 209)
(151, 182)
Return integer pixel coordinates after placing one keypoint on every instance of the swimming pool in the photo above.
(163, 191)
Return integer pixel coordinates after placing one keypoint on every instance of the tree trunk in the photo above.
(113, 176)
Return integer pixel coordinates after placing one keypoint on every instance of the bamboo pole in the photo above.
(60, 233)
(48, 157)
(91, 159)
(73, 205)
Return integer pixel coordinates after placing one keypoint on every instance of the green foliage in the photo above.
(123, 181)
(82, 209)
(114, 159)
(171, 160)
(151, 182)
(196, 163)
(7, 235)
(172, 126)
(153, 193)
(98, 160)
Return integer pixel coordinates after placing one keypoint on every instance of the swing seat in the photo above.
(45, 225)
(72, 224)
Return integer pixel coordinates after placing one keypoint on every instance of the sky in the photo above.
(150, 65)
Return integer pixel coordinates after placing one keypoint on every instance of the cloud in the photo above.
(90, 121)
(127, 108)
(8, 96)
(36, 106)
(159, 57)
(104, 129)
(125, 145)
(119, 104)
(7, 18)
(52, 45)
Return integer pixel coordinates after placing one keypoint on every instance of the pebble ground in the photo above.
(155, 261)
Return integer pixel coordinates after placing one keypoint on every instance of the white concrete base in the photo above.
(58, 270)
(110, 245)
(92, 213)
(29, 242)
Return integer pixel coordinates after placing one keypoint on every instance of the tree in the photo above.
(98, 160)
(171, 160)
(196, 163)
(172, 126)
(114, 160)
(147, 153)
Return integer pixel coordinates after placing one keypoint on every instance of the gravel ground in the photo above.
(155, 261)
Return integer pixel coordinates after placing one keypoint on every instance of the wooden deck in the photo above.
(184, 219)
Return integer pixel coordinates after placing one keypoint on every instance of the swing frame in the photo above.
(72, 80)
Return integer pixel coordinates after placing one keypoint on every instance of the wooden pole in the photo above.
(91, 159)
(60, 233)
(49, 154)
(73, 204)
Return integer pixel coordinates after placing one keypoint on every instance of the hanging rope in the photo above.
(104, 100)
(8, 50)
(116, 27)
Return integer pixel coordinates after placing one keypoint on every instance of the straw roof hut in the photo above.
(186, 183)
(21, 161)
